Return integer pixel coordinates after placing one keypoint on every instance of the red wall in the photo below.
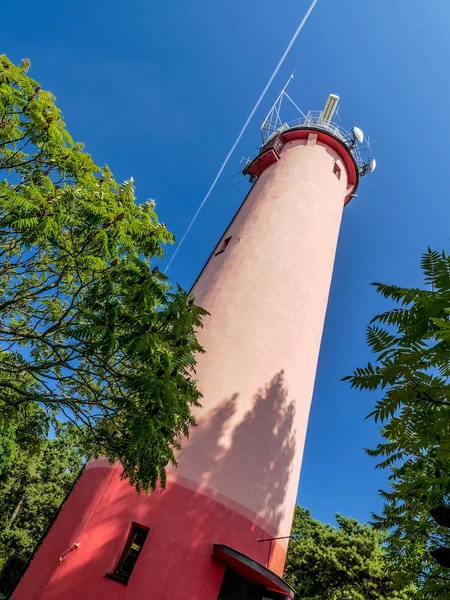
(175, 562)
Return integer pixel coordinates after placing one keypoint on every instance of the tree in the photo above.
(412, 375)
(34, 480)
(33, 484)
(344, 563)
(90, 330)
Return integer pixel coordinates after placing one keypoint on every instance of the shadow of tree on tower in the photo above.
(259, 456)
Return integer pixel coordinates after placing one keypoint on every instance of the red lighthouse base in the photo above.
(177, 561)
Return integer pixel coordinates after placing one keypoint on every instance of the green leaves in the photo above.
(411, 375)
(90, 331)
(33, 482)
(341, 563)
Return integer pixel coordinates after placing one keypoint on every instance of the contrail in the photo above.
(241, 133)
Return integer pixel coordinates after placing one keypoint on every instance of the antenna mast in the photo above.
(273, 123)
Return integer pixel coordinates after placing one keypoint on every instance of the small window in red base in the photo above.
(130, 554)
(223, 245)
(337, 170)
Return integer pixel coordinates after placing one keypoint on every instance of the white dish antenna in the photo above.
(330, 108)
(358, 134)
(372, 165)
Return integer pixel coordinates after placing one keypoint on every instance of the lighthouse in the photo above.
(219, 530)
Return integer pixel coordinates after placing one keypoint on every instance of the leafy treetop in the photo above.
(412, 377)
(347, 562)
(90, 330)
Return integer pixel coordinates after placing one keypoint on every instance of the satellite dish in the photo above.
(358, 134)
(372, 165)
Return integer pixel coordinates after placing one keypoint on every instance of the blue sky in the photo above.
(160, 90)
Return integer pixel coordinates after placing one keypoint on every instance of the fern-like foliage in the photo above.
(89, 328)
(411, 374)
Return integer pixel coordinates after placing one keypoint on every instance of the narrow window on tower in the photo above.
(223, 245)
(130, 554)
(337, 170)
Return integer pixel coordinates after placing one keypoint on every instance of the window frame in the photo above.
(117, 573)
(337, 170)
(224, 245)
